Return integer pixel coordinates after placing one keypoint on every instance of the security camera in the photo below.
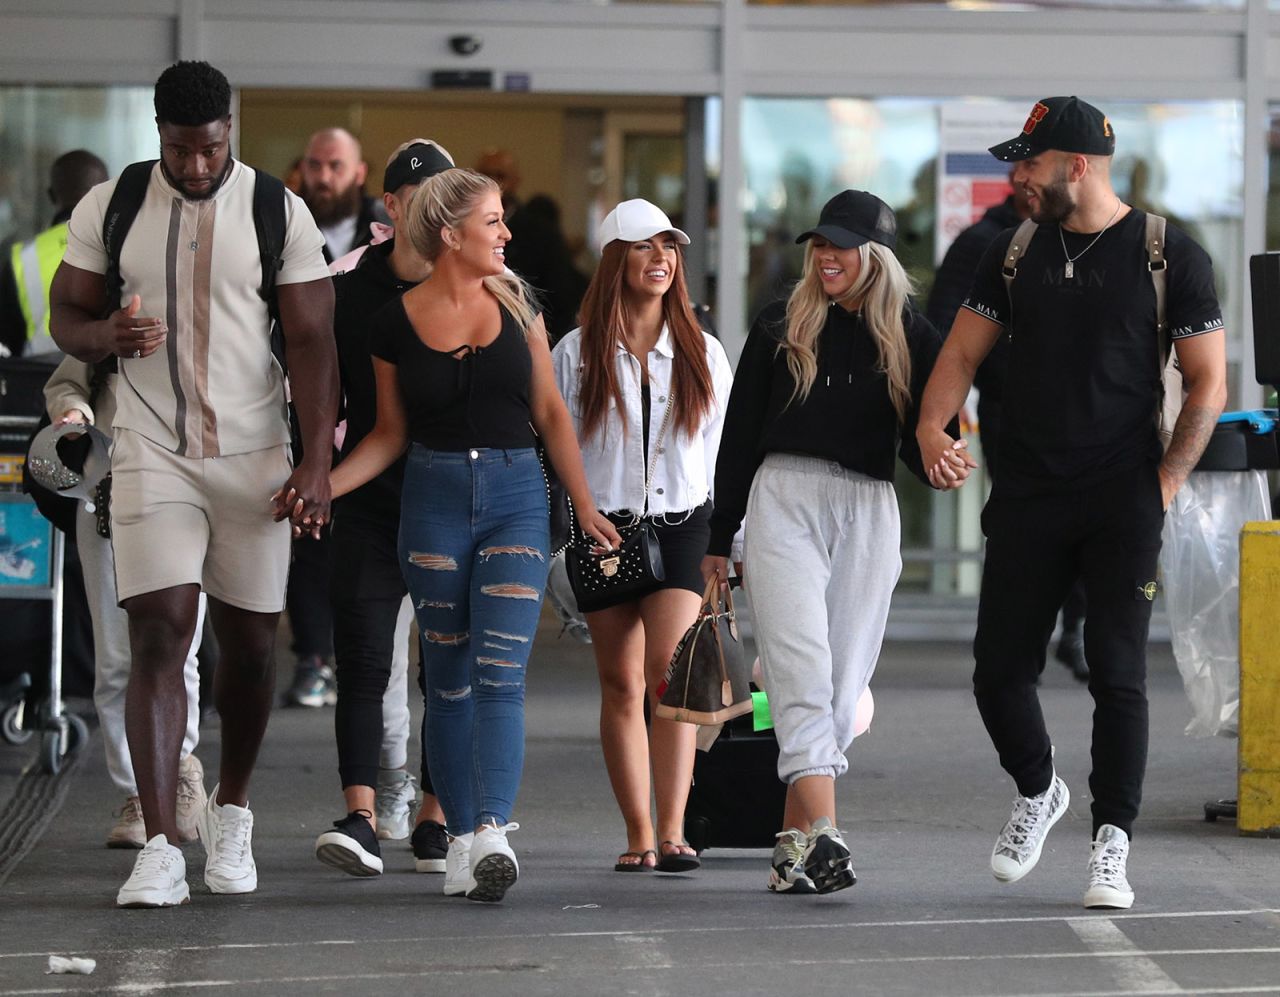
(464, 44)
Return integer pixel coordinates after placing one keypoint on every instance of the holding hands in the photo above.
(953, 463)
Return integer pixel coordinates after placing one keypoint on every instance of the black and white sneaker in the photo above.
(1017, 849)
(430, 844)
(351, 846)
(787, 874)
(826, 858)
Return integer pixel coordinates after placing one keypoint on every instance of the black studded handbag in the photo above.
(606, 578)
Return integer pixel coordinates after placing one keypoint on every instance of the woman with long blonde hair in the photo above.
(464, 378)
(647, 389)
(826, 391)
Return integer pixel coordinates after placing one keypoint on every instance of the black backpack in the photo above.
(122, 209)
(268, 222)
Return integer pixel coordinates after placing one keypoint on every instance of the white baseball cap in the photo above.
(635, 220)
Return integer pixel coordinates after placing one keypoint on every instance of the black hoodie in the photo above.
(847, 418)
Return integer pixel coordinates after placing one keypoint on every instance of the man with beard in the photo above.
(200, 438)
(333, 175)
(1083, 481)
(950, 287)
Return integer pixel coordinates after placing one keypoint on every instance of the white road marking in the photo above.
(701, 929)
(1134, 970)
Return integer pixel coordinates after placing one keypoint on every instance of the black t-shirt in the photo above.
(1083, 381)
(848, 416)
(462, 399)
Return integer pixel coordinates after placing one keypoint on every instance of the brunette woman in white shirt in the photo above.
(647, 391)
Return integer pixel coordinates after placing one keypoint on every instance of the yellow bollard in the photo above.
(1259, 776)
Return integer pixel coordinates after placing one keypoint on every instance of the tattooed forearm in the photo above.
(1190, 436)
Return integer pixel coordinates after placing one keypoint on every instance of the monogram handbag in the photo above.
(634, 569)
(708, 682)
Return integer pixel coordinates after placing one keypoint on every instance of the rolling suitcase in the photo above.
(737, 799)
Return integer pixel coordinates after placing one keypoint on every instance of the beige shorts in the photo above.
(205, 520)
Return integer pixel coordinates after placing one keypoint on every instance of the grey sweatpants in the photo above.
(821, 556)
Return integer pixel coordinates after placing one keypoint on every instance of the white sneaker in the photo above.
(786, 871)
(159, 877)
(227, 834)
(191, 797)
(457, 866)
(393, 804)
(129, 830)
(1017, 849)
(1108, 884)
(494, 868)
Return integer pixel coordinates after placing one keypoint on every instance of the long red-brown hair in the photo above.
(603, 318)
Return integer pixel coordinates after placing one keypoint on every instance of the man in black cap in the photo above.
(1083, 481)
(368, 588)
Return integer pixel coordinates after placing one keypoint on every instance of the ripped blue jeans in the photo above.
(473, 549)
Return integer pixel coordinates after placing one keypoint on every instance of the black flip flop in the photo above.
(635, 866)
(676, 861)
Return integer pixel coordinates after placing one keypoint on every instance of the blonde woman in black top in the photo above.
(825, 393)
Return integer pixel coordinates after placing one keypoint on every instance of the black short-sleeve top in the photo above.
(473, 397)
(1083, 380)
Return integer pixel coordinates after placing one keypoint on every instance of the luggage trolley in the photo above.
(31, 563)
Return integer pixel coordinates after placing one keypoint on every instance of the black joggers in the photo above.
(366, 590)
(1108, 535)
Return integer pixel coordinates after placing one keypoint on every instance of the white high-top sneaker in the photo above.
(1017, 849)
(1109, 887)
(393, 803)
(191, 798)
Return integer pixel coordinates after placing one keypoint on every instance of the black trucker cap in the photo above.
(855, 217)
(413, 165)
(1067, 124)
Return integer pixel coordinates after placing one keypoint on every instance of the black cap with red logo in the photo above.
(1067, 124)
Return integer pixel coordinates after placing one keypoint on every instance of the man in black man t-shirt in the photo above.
(1083, 482)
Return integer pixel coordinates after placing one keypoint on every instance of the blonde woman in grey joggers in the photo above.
(826, 391)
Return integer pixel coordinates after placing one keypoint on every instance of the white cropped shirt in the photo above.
(685, 466)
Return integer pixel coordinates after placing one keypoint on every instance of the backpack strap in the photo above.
(122, 209)
(269, 224)
(1017, 250)
(1158, 265)
(1167, 369)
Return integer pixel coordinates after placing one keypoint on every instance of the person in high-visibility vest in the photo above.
(28, 270)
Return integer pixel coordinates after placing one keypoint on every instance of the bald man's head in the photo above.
(333, 174)
(72, 175)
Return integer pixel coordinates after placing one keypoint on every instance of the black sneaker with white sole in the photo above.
(351, 846)
(430, 844)
(826, 858)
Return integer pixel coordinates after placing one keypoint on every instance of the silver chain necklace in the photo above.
(1069, 270)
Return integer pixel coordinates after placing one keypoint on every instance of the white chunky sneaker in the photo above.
(191, 797)
(129, 830)
(826, 858)
(1109, 887)
(786, 872)
(159, 877)
(457, 866)
(227, 834)
(1017, 849)
(393, 803)
(494, 869)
